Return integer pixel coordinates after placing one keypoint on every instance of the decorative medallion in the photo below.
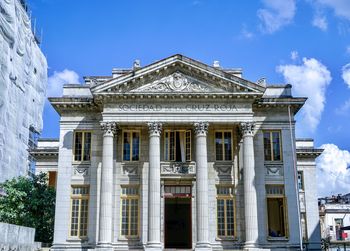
(175, 82)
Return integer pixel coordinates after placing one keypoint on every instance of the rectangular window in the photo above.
(300, 180)
(303, 226)
(82, 146)
(79, 211)
(129, 211)
(131, 145)
(177, 145)
(272, 145)
(276, 211)
(223, 145)
(338, 225)
(225, 212)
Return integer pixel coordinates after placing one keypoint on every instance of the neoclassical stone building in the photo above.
(179, 155)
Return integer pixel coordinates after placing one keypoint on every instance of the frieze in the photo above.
(180, 107)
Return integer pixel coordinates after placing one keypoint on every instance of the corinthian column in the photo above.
(201, 129)
(105, 227)
(153, 240)
(250, 201)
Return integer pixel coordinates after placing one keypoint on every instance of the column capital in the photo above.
(155, 128)
(201, 128)
(247, 128)
(109, 128)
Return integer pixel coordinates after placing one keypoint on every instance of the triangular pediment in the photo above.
(177, 74)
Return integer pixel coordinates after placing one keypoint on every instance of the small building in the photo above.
(46, 158)
(307, 186)
(334, 216)
(181, 155)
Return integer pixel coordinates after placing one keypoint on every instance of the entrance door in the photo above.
(177, 225)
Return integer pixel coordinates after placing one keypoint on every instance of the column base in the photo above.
(203, 247)
(104, 247)
(153, 247)
(251, 247)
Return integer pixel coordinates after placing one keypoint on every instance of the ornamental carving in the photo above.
(176, 82)
(201, 128)
(274, 170)
(79, 171)
(130, 169)
(178, 168)
(247, 128)
(155, 127)
(109, 128)
(223, 169)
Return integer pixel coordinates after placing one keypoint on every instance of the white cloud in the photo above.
(276, 14)
(294, 55)
(310, 79)
(344, 109)
(320, 22)
(333, 173)
(245, 33)
(348, 49)
(58, 79)
(341, 8)
(346, 74)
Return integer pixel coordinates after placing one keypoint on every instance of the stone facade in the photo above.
(200, 108)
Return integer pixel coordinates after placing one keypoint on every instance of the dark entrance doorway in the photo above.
(177, 223)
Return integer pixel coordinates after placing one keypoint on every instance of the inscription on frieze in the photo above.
(181, 107)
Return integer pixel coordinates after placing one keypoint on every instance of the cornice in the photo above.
(63, 104)
(309, 152)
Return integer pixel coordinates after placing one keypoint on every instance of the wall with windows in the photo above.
(274, 165)
(307, 186)
(78, 179)
(80, 154)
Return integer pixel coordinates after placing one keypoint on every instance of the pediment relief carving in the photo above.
(176, 82)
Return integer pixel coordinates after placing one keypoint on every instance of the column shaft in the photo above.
(202, 186)
(106, 193)
(250, 200)
(153, 241)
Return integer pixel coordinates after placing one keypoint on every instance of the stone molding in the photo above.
(155, 128)
(109, 128)
(247, 128)
(201, 128)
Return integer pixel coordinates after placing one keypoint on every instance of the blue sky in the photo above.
(302, 42)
